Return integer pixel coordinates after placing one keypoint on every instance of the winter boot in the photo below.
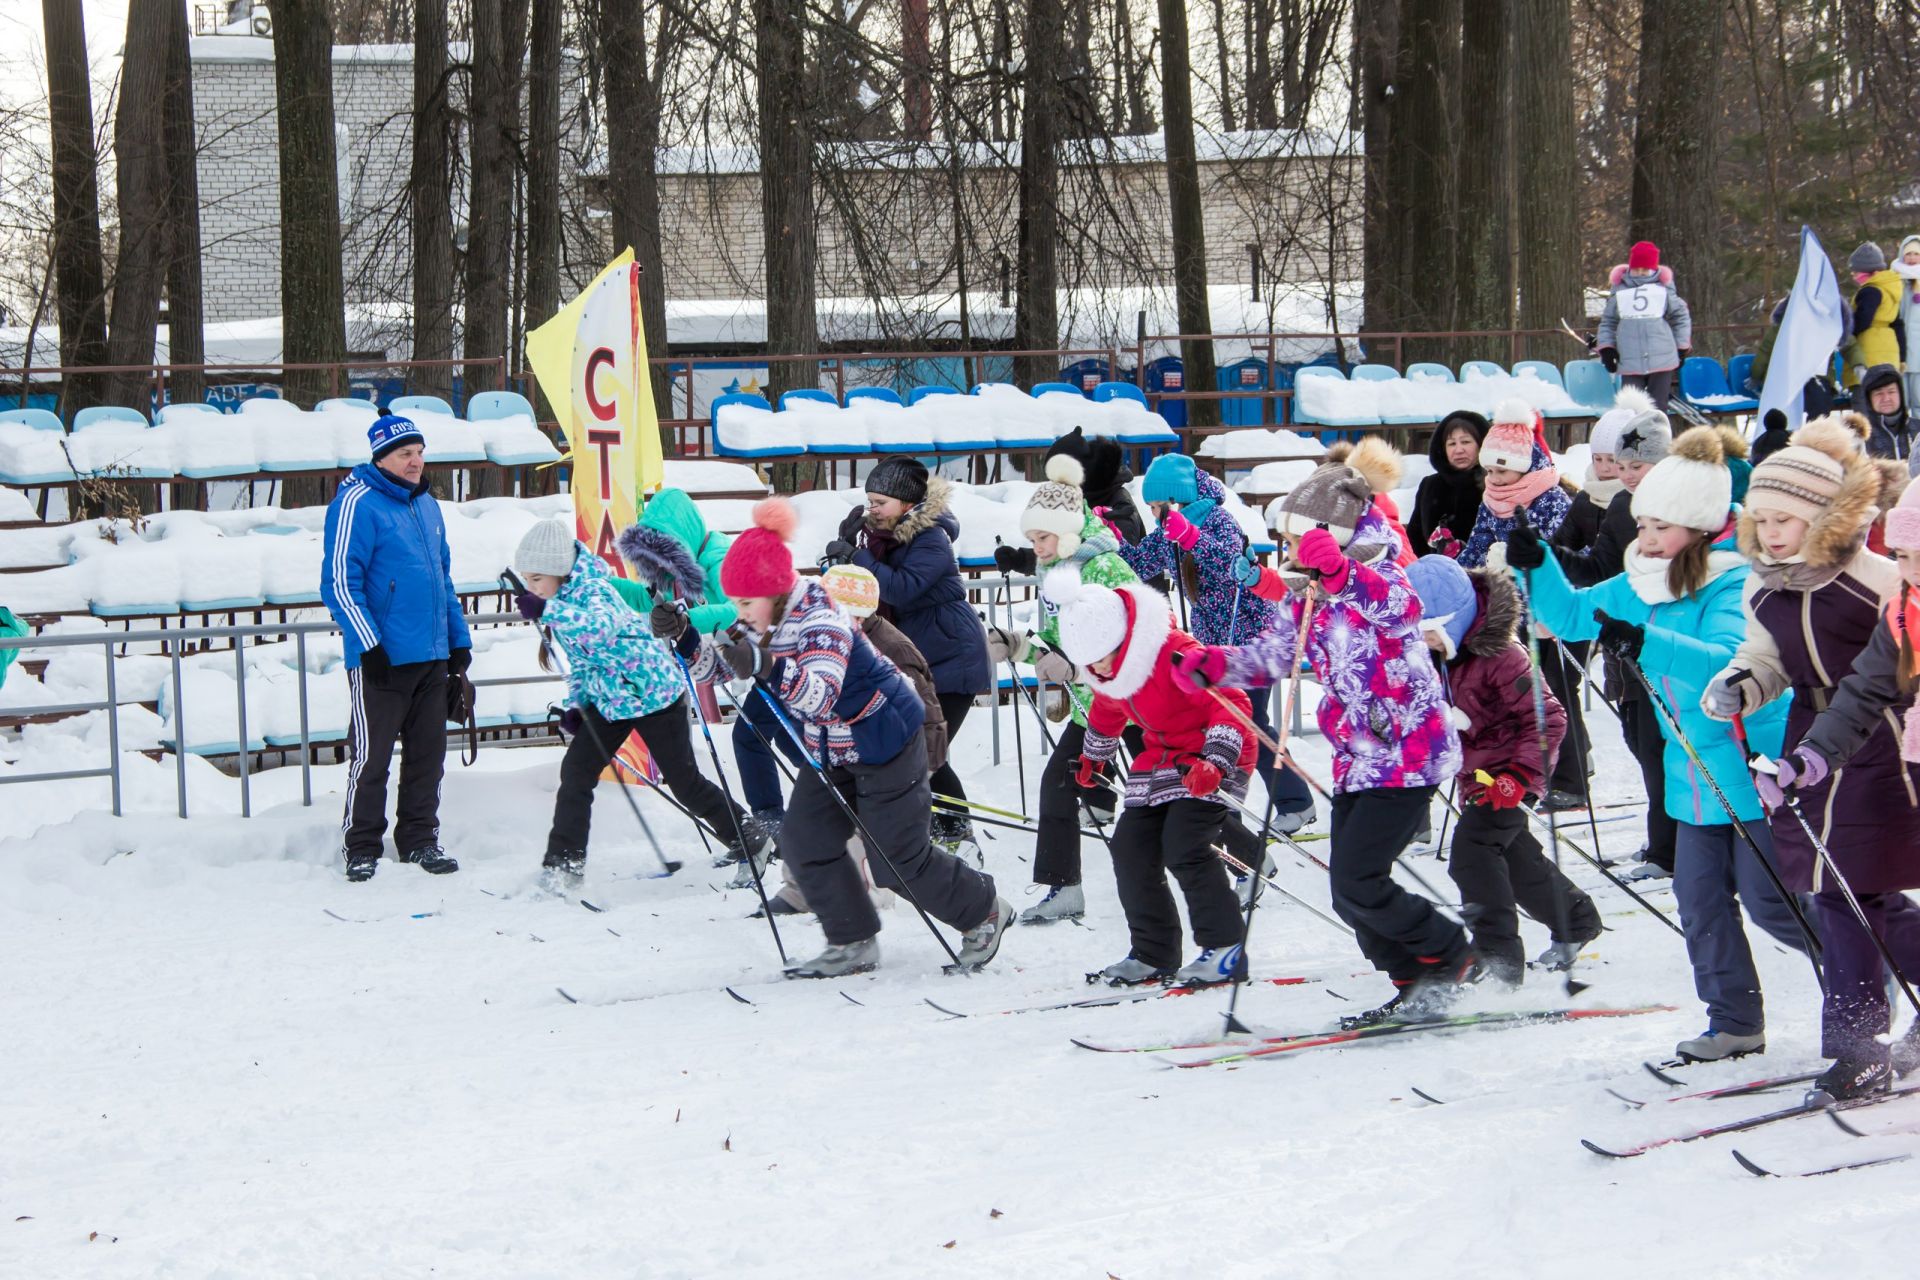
(1559, 801)
(1243, 883)
(952, 832)
(1906, 1050)
(1850, 1078)
(563, 870)
(1434, 992)
(840, 960)
(754, 856)
(1647, 871)
(981, 943)
(1129, 973)
(433, 860)
(1212, 967)
(361, 866)
(1063, 902)
(1558, 957)
(776, 905)
(1718, 1046)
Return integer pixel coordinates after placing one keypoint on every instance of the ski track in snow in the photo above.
(219, 1078)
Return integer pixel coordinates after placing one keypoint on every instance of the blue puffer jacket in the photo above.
(386, 573)
(1688, 642)
(1220, 612)
(920, 588)
(613, 659)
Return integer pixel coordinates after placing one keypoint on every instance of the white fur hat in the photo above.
(1093, 618)
(1691, 486)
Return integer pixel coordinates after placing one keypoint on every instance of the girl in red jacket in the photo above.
(1197, 755)
(1469, 620)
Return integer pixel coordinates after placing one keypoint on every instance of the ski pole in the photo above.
(1013, 674)
(1539, 689)
(846, 807)
(1278, 888)
(733, 808)
(1585, 758)
(1671, 720)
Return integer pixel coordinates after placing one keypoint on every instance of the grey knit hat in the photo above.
(1333, 498)
(1645, 434)
(1867, 258)
(547, 548)
(902, 478)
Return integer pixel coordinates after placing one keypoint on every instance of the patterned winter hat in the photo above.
(1171, 478)
(548, 548)
(1058, 507)
(759, 563)
(389, 431)
(1447, 602)
(1647, 435)
(1903, 521)
(853, 588)
(902, 478)
(1509, 442)
(1333, 498)
(1804, 478)
(1691, 486)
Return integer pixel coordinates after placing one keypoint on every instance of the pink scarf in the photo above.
(1505, 499)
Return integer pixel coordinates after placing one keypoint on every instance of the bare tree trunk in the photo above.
(430, 196)
(1189, 213)
(1376, 25)
(80, 273)
(1036, 315)
(1425, 136)
(493, 116)
(916, 53)
(633, 142)
(311, 293)
(1674, 203)
(186, 324)
(786, 191)
(1484, 264)
(140, 171)
(543, 164)
(1546, 170)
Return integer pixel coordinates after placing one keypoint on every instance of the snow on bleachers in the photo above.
(996, 416)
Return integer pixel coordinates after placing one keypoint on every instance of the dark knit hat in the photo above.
(1333, 498)
(1867, 258)
(389, 432)
(902, 478)
(1099, 457)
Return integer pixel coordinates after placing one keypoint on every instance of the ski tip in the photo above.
(736, 995)
(1834, 1115)
(1599, 1150)
(336, 915)
(565, 995)
(850, 1000)
(951, 1013)
(589, 906)
(1658, 1072)
(1082, 1044)
(1751, 1167)
(1635, 1103)
(1424, 1096)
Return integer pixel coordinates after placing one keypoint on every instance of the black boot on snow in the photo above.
(1434, 992)
(1850, 1078)
(1906, 1050)
(361, 866)
(566, 868)
(433, 860)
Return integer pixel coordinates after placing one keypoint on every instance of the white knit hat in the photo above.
(1058, 507)
(1691, 486)
(1093, 618)
(548, 548)
(1605, 436)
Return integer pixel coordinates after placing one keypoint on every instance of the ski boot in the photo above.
(1558, 957)
(952, 832)
(839, 961)
(777, 905)
(562, 870)
(433, 860)
(1388, 1012)
(361, 866)
(981, 943)
(1129, 973)
(1063, 902)
(1285, 824)
(1850, 1078)
(1243, 883)
(1559, 801)
(1213, 967)
(1431, 994)
(753, 858)
(1719, 1046)
(1906, 1050)
(1647, 871)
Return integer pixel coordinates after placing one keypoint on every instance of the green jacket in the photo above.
(672, 512)
(1098, 560)
(10, 628)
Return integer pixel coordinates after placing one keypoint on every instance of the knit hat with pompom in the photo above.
(1903, 521)
(853, 588)
(1058, 506)
(1509, 441)
(1094, 620)
(1691, 486)
(759, 563)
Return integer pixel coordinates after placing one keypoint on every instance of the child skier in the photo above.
(1520, 476)
(1469, 619)
(1676, 613)
(860, 721)
(1382, 711)
(1646, 328)
(1815, 611)
(905, 537)
(1068, 539)
(1124, 642)
(620, 680)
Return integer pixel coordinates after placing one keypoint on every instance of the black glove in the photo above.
(839, 551)
(458, 660)
(1622, 639)
(741, 655)
(851, 527)
(1015, 559)
(1524, 548)
(668, 620)
(375, 665)
(1610, 358)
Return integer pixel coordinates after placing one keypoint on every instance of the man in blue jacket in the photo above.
(386, 577)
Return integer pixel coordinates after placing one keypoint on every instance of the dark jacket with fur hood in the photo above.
(1449, 499)
(1490, 684)
(1807, 623)
(921, 591)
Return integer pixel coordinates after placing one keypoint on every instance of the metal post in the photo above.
(179, 730)
(113, 728)
(240, 677)
(306, 745)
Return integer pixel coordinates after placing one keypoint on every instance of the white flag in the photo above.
(1813, 327)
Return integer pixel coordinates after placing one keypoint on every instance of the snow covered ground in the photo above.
(207, 1074)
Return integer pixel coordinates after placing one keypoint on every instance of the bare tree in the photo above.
(1036, 318)
(1674, 200)
(186, 329)
(80, 271)
(1546, 173)
(543, 162)
(140, 169)
(1426, 130)
(786, 190)
(1189, 212)
(493, 121)
(1484, 262)
(430, 197)
(632, 73)
(1376, 40)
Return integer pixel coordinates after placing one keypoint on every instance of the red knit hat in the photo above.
(1644, 256)
(758, 563)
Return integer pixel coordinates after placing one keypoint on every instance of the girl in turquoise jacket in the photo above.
(1676, 612)
(620, 680)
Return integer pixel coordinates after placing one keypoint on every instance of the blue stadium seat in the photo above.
(38, 419)
(1739, 372)
(1590, 385)
(404, 405)
(1481, 368)
(1429, 370)
(1050, 388)
(885, 395)
(490, 405)
(1704, 385)
(1119, 391)
(107, 413)
(1374, 373)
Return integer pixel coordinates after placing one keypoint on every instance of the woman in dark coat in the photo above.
(905, 537)
(1448, 501)
(1813, 601)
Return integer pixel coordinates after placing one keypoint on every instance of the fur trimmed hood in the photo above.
(662, 561)
(1499, 619)
(1663, 274)
(1868, 486)
(935, 508)
(1149, 624)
